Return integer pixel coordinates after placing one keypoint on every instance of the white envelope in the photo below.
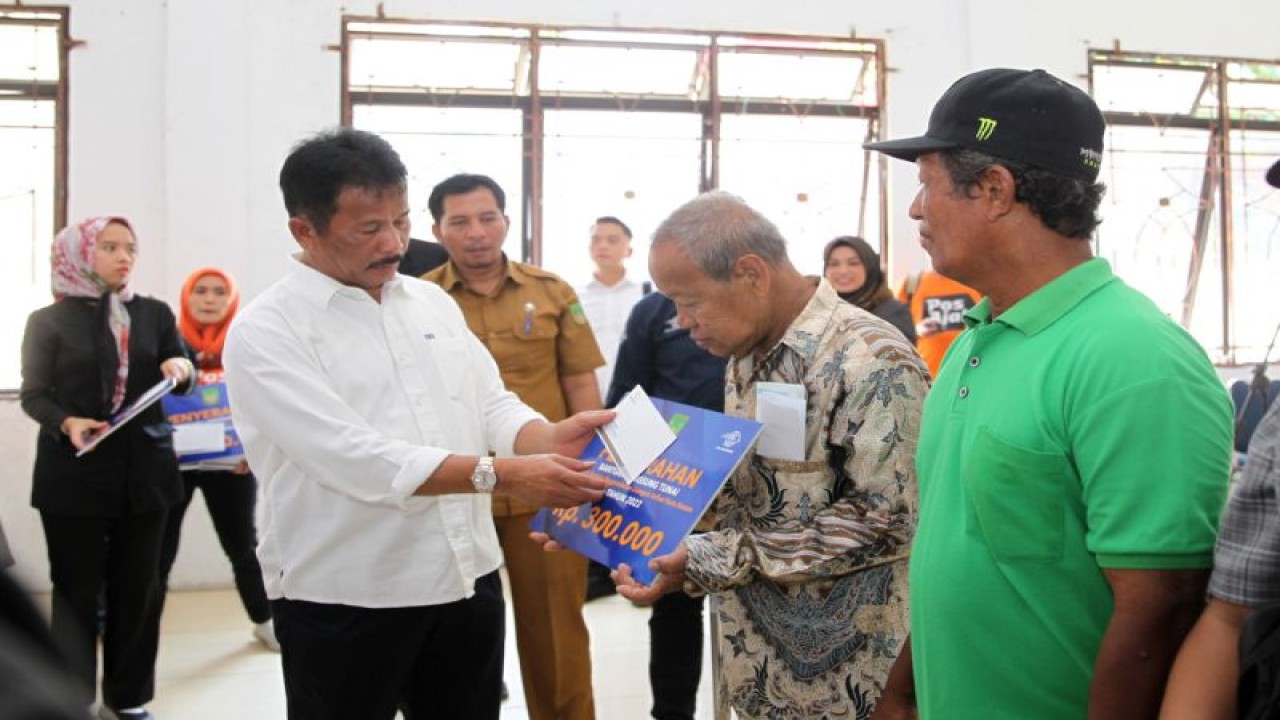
(637, 435)
(781, 407)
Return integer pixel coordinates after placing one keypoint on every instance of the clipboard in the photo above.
(144, 401)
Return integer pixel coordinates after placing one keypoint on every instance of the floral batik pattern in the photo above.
(808, 559)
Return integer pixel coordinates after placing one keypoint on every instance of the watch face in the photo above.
(483, 477)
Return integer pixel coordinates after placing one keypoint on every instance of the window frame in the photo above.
(531, 100)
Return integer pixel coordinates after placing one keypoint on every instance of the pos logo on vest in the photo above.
(948, 310)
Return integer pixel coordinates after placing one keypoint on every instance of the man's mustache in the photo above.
(389, 260)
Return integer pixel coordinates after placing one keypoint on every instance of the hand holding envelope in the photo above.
(637, 435)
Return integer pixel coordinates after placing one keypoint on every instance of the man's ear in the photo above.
(303, 232)
(752, 270)
(435, 231)
(998, 189)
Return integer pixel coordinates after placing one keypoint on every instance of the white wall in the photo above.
(182, 111)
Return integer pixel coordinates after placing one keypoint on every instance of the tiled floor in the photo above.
(210, 667)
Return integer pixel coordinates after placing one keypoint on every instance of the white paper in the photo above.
(638, 435)
(781, 408)
(205, 437)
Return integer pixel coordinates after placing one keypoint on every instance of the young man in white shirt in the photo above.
(608, 297)
(368, 411)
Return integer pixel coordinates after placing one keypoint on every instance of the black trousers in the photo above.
(436, 661)
(675, 655)
(231, 499)
(88, 555)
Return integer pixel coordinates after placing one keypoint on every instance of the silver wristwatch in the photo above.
(483, 477)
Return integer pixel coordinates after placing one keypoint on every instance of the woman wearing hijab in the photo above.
(853, 269)
(85, 357)
(209, 302)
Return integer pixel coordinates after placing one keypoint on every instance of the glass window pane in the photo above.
(616, 71)
(25, 113)
(1256, 247)
(781, 77)
(804, 174)
(1156, 89)
(1252, 101)
(1254, 71)
(635, 166)
(434, 64)
(28, 52)
(1253, 93)
(26, 218)
(435, 143)
(1149, 216)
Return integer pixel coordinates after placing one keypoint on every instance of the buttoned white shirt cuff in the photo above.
(421, 465)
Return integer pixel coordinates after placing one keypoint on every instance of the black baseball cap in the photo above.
(1026, 116)
(1273, 175)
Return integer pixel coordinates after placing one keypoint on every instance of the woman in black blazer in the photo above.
(89, 354)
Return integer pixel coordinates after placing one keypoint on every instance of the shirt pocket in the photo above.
(1018, 498)
(530, 344)
(448, 364)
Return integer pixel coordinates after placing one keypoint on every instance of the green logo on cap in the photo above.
(986, 126)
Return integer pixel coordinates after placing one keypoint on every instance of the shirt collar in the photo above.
(799, 336)
(624, 284)
(813, 319)
(450, 279)
(811, 322)
(320, 289)
(1043, 307)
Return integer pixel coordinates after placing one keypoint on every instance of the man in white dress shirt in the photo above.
(368, 411)
(608, 297)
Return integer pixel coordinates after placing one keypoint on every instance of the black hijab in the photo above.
(873, 291)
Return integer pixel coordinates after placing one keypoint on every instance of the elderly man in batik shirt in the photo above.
(808, 559)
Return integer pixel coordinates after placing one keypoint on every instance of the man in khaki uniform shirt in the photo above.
(535, 328)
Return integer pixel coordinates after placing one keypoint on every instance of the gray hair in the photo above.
(716, 228)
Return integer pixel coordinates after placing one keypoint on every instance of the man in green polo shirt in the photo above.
(1074, 450)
